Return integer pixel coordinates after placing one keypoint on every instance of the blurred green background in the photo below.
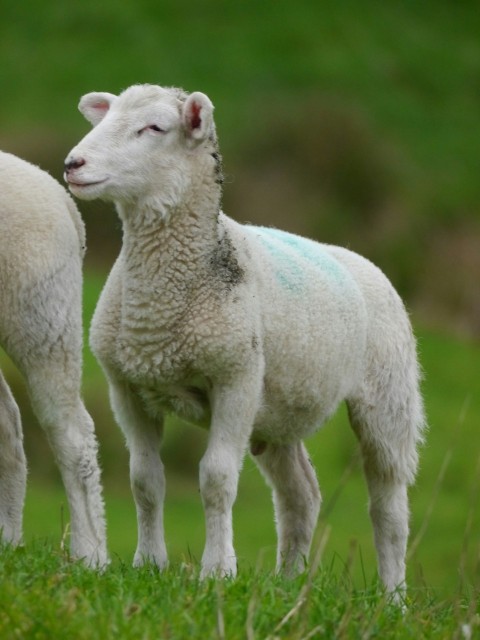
(355, 123)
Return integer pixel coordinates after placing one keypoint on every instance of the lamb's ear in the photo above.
(197, 116)
(94, 106)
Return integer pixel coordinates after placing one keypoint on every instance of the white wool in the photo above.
(254, 333)
(42, 242)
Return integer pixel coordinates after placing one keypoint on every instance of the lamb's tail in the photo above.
(387, 413)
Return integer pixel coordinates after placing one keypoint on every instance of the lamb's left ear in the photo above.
(95, 105)
(197, 116)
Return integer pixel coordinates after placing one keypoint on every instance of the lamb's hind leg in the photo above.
(388, 430)
(13, 468)
(70, 432)
(45, 342)
(296, 499)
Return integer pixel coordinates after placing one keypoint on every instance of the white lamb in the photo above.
(254, 333)
(42, 242)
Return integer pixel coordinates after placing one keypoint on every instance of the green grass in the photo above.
(47, 597)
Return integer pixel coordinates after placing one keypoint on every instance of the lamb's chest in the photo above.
(148, 350)
(164, 377)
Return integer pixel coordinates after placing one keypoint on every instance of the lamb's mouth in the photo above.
(82, 185)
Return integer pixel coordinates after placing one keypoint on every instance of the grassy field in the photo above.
(47, 597)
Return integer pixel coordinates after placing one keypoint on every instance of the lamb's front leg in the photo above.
(219, 472)
(234, 410)
(147, 478)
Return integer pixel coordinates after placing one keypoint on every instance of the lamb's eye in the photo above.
(151, 127)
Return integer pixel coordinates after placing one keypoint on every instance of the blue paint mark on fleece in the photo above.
(286, 248)
(289, 274)
(311, 251)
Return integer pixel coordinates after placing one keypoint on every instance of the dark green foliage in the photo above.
(353, 122)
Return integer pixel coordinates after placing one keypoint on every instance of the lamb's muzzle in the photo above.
(75, 163)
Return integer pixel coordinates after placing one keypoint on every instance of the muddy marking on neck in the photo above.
(224, 263)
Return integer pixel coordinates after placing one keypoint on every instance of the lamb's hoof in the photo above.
(98, 561)
(226, 569)
(95, 558)
(142, 559)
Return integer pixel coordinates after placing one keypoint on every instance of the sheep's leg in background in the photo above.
(13, 468)
(46, 345)
(147, 475)
(70, 432)
(234, 409)
(296, 497)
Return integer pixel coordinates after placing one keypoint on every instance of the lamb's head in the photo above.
(142, 146)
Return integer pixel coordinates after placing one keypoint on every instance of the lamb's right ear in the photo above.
(197, 116)
(94, 106)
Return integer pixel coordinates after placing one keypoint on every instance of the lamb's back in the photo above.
(41, 248)
(39, 221)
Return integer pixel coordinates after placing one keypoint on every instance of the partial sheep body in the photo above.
(255, 333)
(42, 242)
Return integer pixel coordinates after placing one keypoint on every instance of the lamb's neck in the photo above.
(168, 248)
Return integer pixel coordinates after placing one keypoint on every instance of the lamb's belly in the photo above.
(300, 395)
(283, 421)
(188, 401)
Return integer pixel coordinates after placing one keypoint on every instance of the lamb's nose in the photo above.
(75, 163)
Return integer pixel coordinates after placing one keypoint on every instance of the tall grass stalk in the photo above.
(414, 544)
